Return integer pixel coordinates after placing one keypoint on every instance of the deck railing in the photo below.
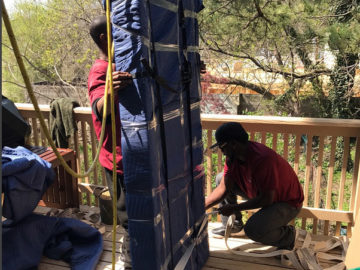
(325, 153)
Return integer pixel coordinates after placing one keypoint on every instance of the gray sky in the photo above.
(9, 4)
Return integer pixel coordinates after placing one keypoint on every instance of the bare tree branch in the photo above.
(15, 83)
(70, 85)
(42, 71)
(258, 89)
(308, 75)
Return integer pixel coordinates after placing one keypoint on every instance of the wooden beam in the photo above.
(327, 214)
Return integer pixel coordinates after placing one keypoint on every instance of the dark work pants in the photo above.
(122, 215)
(269, 225)
(121, 203)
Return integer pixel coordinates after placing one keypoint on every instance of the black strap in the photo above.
(186, 81)
(160, 80)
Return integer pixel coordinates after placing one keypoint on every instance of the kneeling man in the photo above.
(262, 177)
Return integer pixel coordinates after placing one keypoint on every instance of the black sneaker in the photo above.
(221, 230)
(292, 244)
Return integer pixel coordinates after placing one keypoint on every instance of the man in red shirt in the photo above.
(265, 180)
(96, 90)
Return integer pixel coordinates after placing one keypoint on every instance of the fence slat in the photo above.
(308, 169)
(319, 173)
(326, 227)
(286, 146)
(274, 141)
(343, 172)
(263, 138)
(303, 223)
(209, 163)
(103, 180)
(355, 174)
(35, 130)
(330, 172)
(219, 163)
(297, 153)
(315, 225)
(85, 155)
(77, 152)
(252, 136)
(93, 153)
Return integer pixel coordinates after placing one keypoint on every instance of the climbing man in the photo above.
(96, 89)
(265, 180)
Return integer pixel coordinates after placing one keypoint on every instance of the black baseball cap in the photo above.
(230, 131)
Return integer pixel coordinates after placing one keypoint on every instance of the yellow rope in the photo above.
(36, 106)
(113, 132)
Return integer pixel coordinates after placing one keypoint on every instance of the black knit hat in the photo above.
(230, 131)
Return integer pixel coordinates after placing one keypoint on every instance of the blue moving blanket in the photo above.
(25, 178)
(57, 238)
(27, 237)
(157, 42)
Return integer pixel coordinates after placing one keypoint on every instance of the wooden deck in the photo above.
(219, 258)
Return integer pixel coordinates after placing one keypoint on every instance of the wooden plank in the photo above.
(349, 230)
(343, 173)
(62, 176)
(47, 261)
(352, 259)
(74, 181)
(286, 146)
(315, 225)
(326, 227)
(337, 228)
(85, 155)
(357, 197)
(355, 174)
(297, 153)
(46, 266)
(108, 266)
(252, 136)
(296, 125)
(77, 153)
(263, 138)
(219, 163)
(330, 173)
(103, 180)
(274, 141)
(50, 193)
(43, 140)
(225, 254)
(57, 186)
(303, 223)
(209, 163)
(236, 265)
(93, 153)
(209, 166)
(35, 130)
(307, 170)
(327, 214)
(319, 173)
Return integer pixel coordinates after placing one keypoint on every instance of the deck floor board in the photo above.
(220, 258)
